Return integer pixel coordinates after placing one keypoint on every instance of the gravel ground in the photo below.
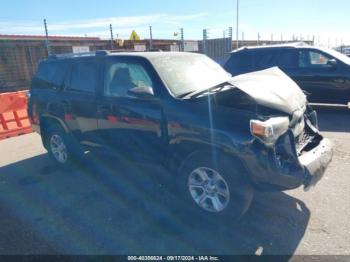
(105, 209)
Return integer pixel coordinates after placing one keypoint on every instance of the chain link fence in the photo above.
(20, 55)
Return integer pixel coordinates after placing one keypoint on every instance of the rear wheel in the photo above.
(214, 188)
(61, 148)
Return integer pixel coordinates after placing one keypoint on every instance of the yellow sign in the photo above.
(134, 36)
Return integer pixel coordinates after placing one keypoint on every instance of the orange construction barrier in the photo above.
(14, 119)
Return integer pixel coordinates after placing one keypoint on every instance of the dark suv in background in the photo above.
(184, 111)
(324, 74)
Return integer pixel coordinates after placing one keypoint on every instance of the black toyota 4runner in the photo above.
(221, 138)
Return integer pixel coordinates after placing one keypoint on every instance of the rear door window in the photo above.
(264, 59)
(51, 73)
(288, 58)
(84, 77)
(240, 61)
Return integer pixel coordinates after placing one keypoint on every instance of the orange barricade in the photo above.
(14, 119)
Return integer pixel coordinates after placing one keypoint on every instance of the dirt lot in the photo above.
(110, 208)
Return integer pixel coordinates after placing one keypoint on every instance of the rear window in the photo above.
(239, 61)
(50, 74)
(265, 59)
(84, 77)
(250, 60)
(288, 59)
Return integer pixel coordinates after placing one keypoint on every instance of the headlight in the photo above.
(270, 130)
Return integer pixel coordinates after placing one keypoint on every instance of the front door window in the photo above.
(120, 77)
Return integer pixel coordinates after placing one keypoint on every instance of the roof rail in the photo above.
(72, 55)
(290, 44)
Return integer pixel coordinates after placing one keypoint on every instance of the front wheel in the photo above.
(213, 187)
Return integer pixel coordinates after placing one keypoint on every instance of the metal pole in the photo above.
(237, 13)
(150, 38)
(205, 37)
(111, 29)
(47, 44)
(182, 40)
(230, 37)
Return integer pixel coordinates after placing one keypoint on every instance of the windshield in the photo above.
(189, 72)
(337, 55)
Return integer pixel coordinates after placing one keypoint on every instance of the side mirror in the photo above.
(141, 91)
(332, 63)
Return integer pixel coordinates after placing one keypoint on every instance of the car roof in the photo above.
(104, 53)
(277, 46)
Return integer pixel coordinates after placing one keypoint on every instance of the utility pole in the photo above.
(182, 44)
(47, 44)
(237, 20)
(111, 29)
(150, 38)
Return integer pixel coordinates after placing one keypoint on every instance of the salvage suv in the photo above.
(221, 137)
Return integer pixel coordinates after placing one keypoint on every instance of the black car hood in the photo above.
(273, 89)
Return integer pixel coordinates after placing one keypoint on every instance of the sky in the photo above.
(325, 20)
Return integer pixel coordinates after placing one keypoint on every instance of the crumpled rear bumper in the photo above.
(315, 162)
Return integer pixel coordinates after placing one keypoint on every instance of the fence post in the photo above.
(47, 44)
(230, 37)
(205, 37)
(182, 44)
(150, 38)
(111, 30)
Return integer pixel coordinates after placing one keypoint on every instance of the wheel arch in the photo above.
(214, 151)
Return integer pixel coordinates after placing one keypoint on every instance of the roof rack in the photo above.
(72, 55)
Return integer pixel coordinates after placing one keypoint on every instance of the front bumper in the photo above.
(269, 174)
(315, 162)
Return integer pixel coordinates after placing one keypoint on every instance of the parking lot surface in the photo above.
(109, 206)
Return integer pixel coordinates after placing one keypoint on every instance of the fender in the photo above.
(54, 118)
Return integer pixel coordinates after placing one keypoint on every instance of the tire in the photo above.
(61, 147)
(231, 180)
